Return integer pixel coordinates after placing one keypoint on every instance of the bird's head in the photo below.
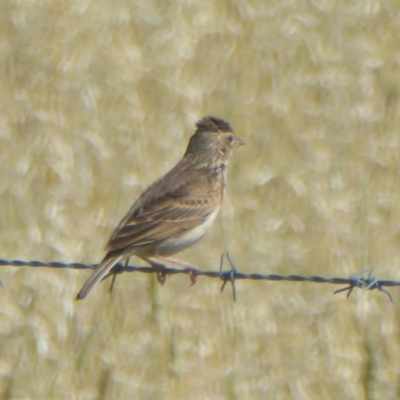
(213, 140)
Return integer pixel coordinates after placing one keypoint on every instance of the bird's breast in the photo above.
(175, 244)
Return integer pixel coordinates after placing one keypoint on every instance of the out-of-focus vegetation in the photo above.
(98, 99)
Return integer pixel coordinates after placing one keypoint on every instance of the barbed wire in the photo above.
(362, 280)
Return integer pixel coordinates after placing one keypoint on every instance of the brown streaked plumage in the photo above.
(176, 210)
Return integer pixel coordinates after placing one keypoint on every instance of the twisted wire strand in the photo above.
(358, 280)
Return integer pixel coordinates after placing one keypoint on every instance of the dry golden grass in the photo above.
(99, 98)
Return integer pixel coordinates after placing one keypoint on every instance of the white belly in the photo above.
(174, 245)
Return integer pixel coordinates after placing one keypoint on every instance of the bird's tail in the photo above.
(99, 273)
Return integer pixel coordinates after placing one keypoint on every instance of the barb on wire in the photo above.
(118, 269)
(231, 275)
(366, 283)
(228, 275)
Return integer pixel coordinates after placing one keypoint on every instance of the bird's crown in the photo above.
(213, 124)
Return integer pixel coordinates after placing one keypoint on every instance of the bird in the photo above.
(176, 210)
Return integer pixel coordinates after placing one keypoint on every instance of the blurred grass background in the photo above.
(98, 99)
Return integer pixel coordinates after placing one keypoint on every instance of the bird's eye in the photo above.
(230, 139)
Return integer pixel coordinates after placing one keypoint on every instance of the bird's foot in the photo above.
(160, 271)
(188, 267)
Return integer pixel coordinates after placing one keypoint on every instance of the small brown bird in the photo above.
(176, 210)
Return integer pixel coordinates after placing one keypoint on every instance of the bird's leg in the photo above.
(189, 267)
(160, 270)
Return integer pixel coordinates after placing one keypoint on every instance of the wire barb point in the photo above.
(228, 276)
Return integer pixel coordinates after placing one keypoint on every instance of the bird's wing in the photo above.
(164, 212)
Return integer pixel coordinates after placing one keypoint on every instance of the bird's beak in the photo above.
(238, 142)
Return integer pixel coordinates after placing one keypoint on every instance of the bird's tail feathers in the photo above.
(99, 273)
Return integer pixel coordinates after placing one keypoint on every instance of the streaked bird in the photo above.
(176, 210)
